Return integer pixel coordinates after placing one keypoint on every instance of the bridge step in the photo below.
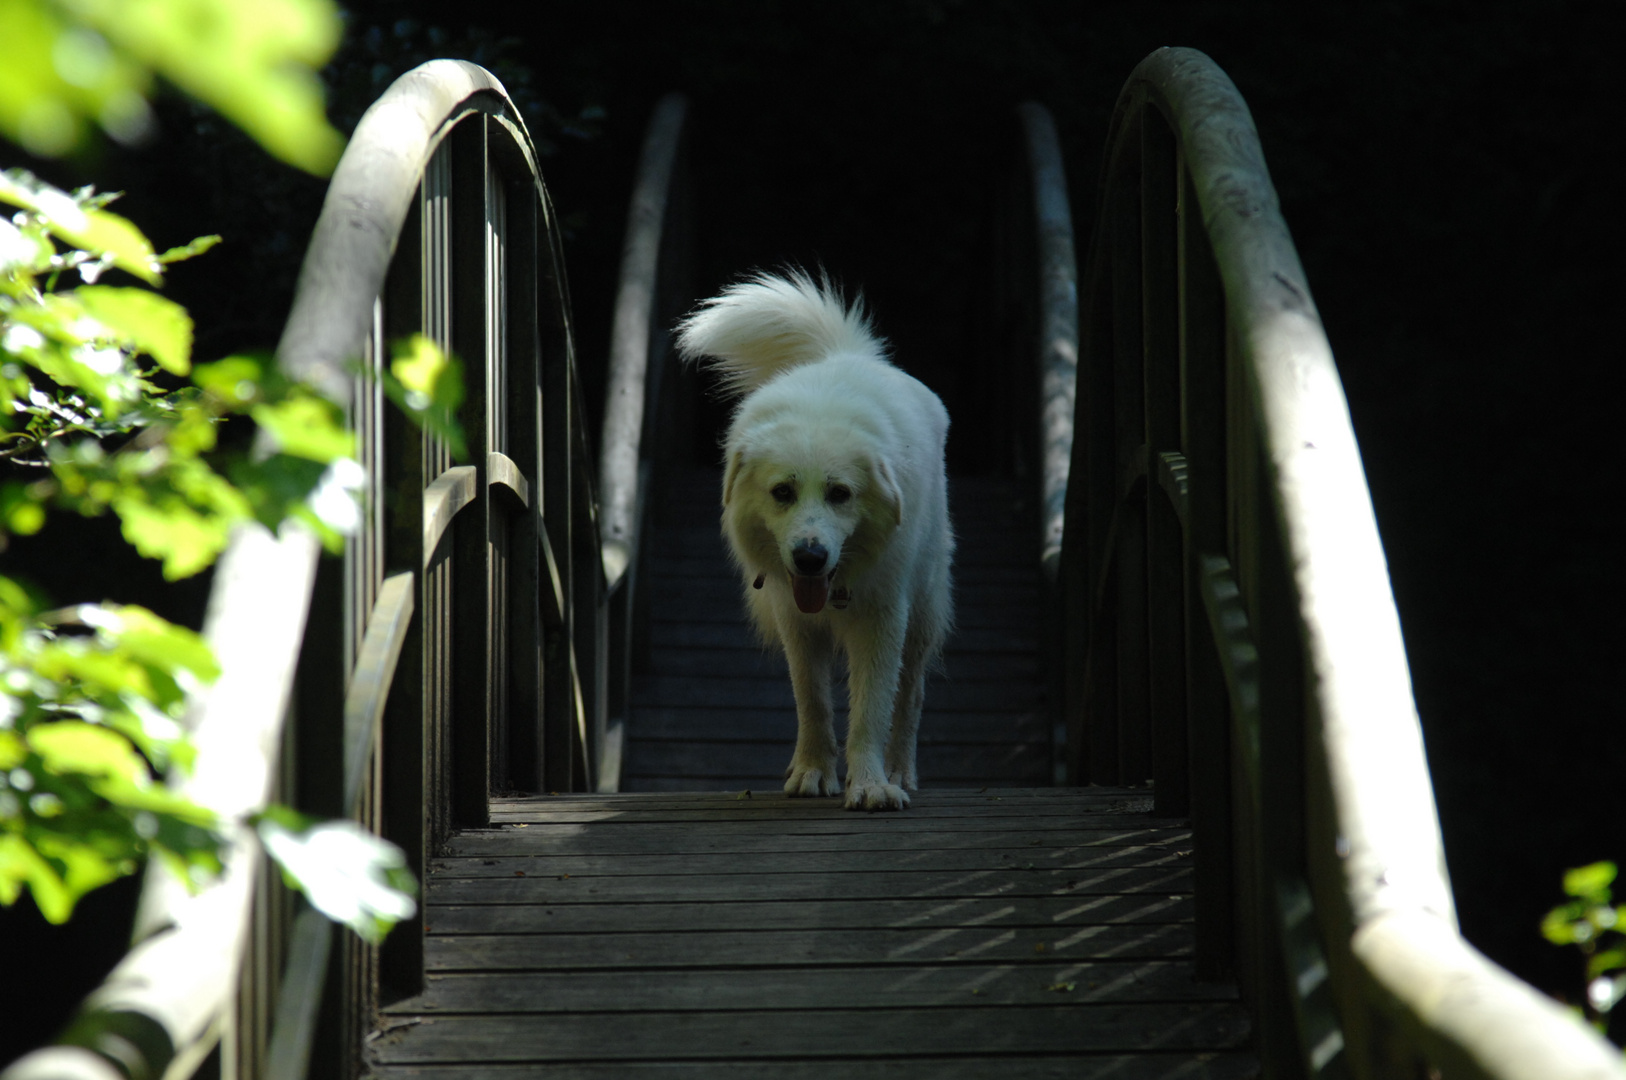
(712, 710)
(1015, 933)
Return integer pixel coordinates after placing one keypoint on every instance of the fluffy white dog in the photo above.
(836, 508)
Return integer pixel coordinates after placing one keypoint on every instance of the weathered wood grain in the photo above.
(874, 987)
(944, 763)
(675, 864)
(683, 916)
(993, 933)
(767, 1035)
(679, 840)
(1156, 1066)
(741, 691)
(924, 884)
(746, 725)
(747, 660)
(643, 952)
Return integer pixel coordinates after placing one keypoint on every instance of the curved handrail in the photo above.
(362, 215)
(626, 389)
(1301, 625)
(159, 1009)
(1058, 325)
(633, 387)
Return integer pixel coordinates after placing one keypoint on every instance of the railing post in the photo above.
(469, 719)
(561, 699)
(1160, 341)
(529, 586)
(1201, 324)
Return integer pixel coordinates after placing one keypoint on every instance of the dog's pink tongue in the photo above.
(810, 592)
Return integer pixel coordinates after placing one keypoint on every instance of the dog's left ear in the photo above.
(887, 490)
(736, 463)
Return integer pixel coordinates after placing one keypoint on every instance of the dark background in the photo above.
(1442, 166)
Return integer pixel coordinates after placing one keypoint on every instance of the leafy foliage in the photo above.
(94, 695)
(427, 385)
(1597, 927)
(72, 64)
(73, 377)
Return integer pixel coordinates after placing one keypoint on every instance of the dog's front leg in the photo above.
(873, 672)
(812, 769)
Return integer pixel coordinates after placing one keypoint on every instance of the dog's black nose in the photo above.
(809, 557)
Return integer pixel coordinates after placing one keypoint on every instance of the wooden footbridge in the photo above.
(1176, 822)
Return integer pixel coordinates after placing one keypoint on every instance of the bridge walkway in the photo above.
(713, 710)
(984, 932)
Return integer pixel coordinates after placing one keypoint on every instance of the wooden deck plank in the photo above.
(980, 933)
(735, 634)
(789, 886)
(749, 725)
(1157, 1066)
(878, 987)
(938, 762)
(1041, 912)
(681, 841)
(735, 692)
(768, 1035)
(692, 658)
(867, 860)
(804, 949)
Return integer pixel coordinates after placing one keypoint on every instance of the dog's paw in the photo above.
(904, 778)
(809, 781)
(876, 795)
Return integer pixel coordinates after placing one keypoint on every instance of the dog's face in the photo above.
(810, 520)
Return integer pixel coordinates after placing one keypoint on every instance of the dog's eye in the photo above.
(783, 493)
(838, 494)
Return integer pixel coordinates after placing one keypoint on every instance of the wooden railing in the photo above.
(1227, 605)
(461, 645)
(653, 289)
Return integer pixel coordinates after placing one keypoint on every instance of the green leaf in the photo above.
(307, 427)
(237, 381)
(254, 62)
(182, 515)
(96, 231)
(21, 865)
(73, 747)
(152, 324)
(1590, 882)
(20, 512)
(427, 384)
(1557, 926)
(187, 251)
(160, 643)
(1605, 961)
(12, 749)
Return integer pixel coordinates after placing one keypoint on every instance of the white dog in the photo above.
(835, 505)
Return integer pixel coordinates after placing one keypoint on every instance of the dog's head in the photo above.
(810, 519)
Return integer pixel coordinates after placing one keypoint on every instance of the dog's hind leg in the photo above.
(900, 747)
(929, 619)
(812, 769)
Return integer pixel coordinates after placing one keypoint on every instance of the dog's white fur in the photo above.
(832, 449)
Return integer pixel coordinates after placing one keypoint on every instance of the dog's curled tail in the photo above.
(756, 328)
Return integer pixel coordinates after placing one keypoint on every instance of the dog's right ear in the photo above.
(886, 488)
(736, 465)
